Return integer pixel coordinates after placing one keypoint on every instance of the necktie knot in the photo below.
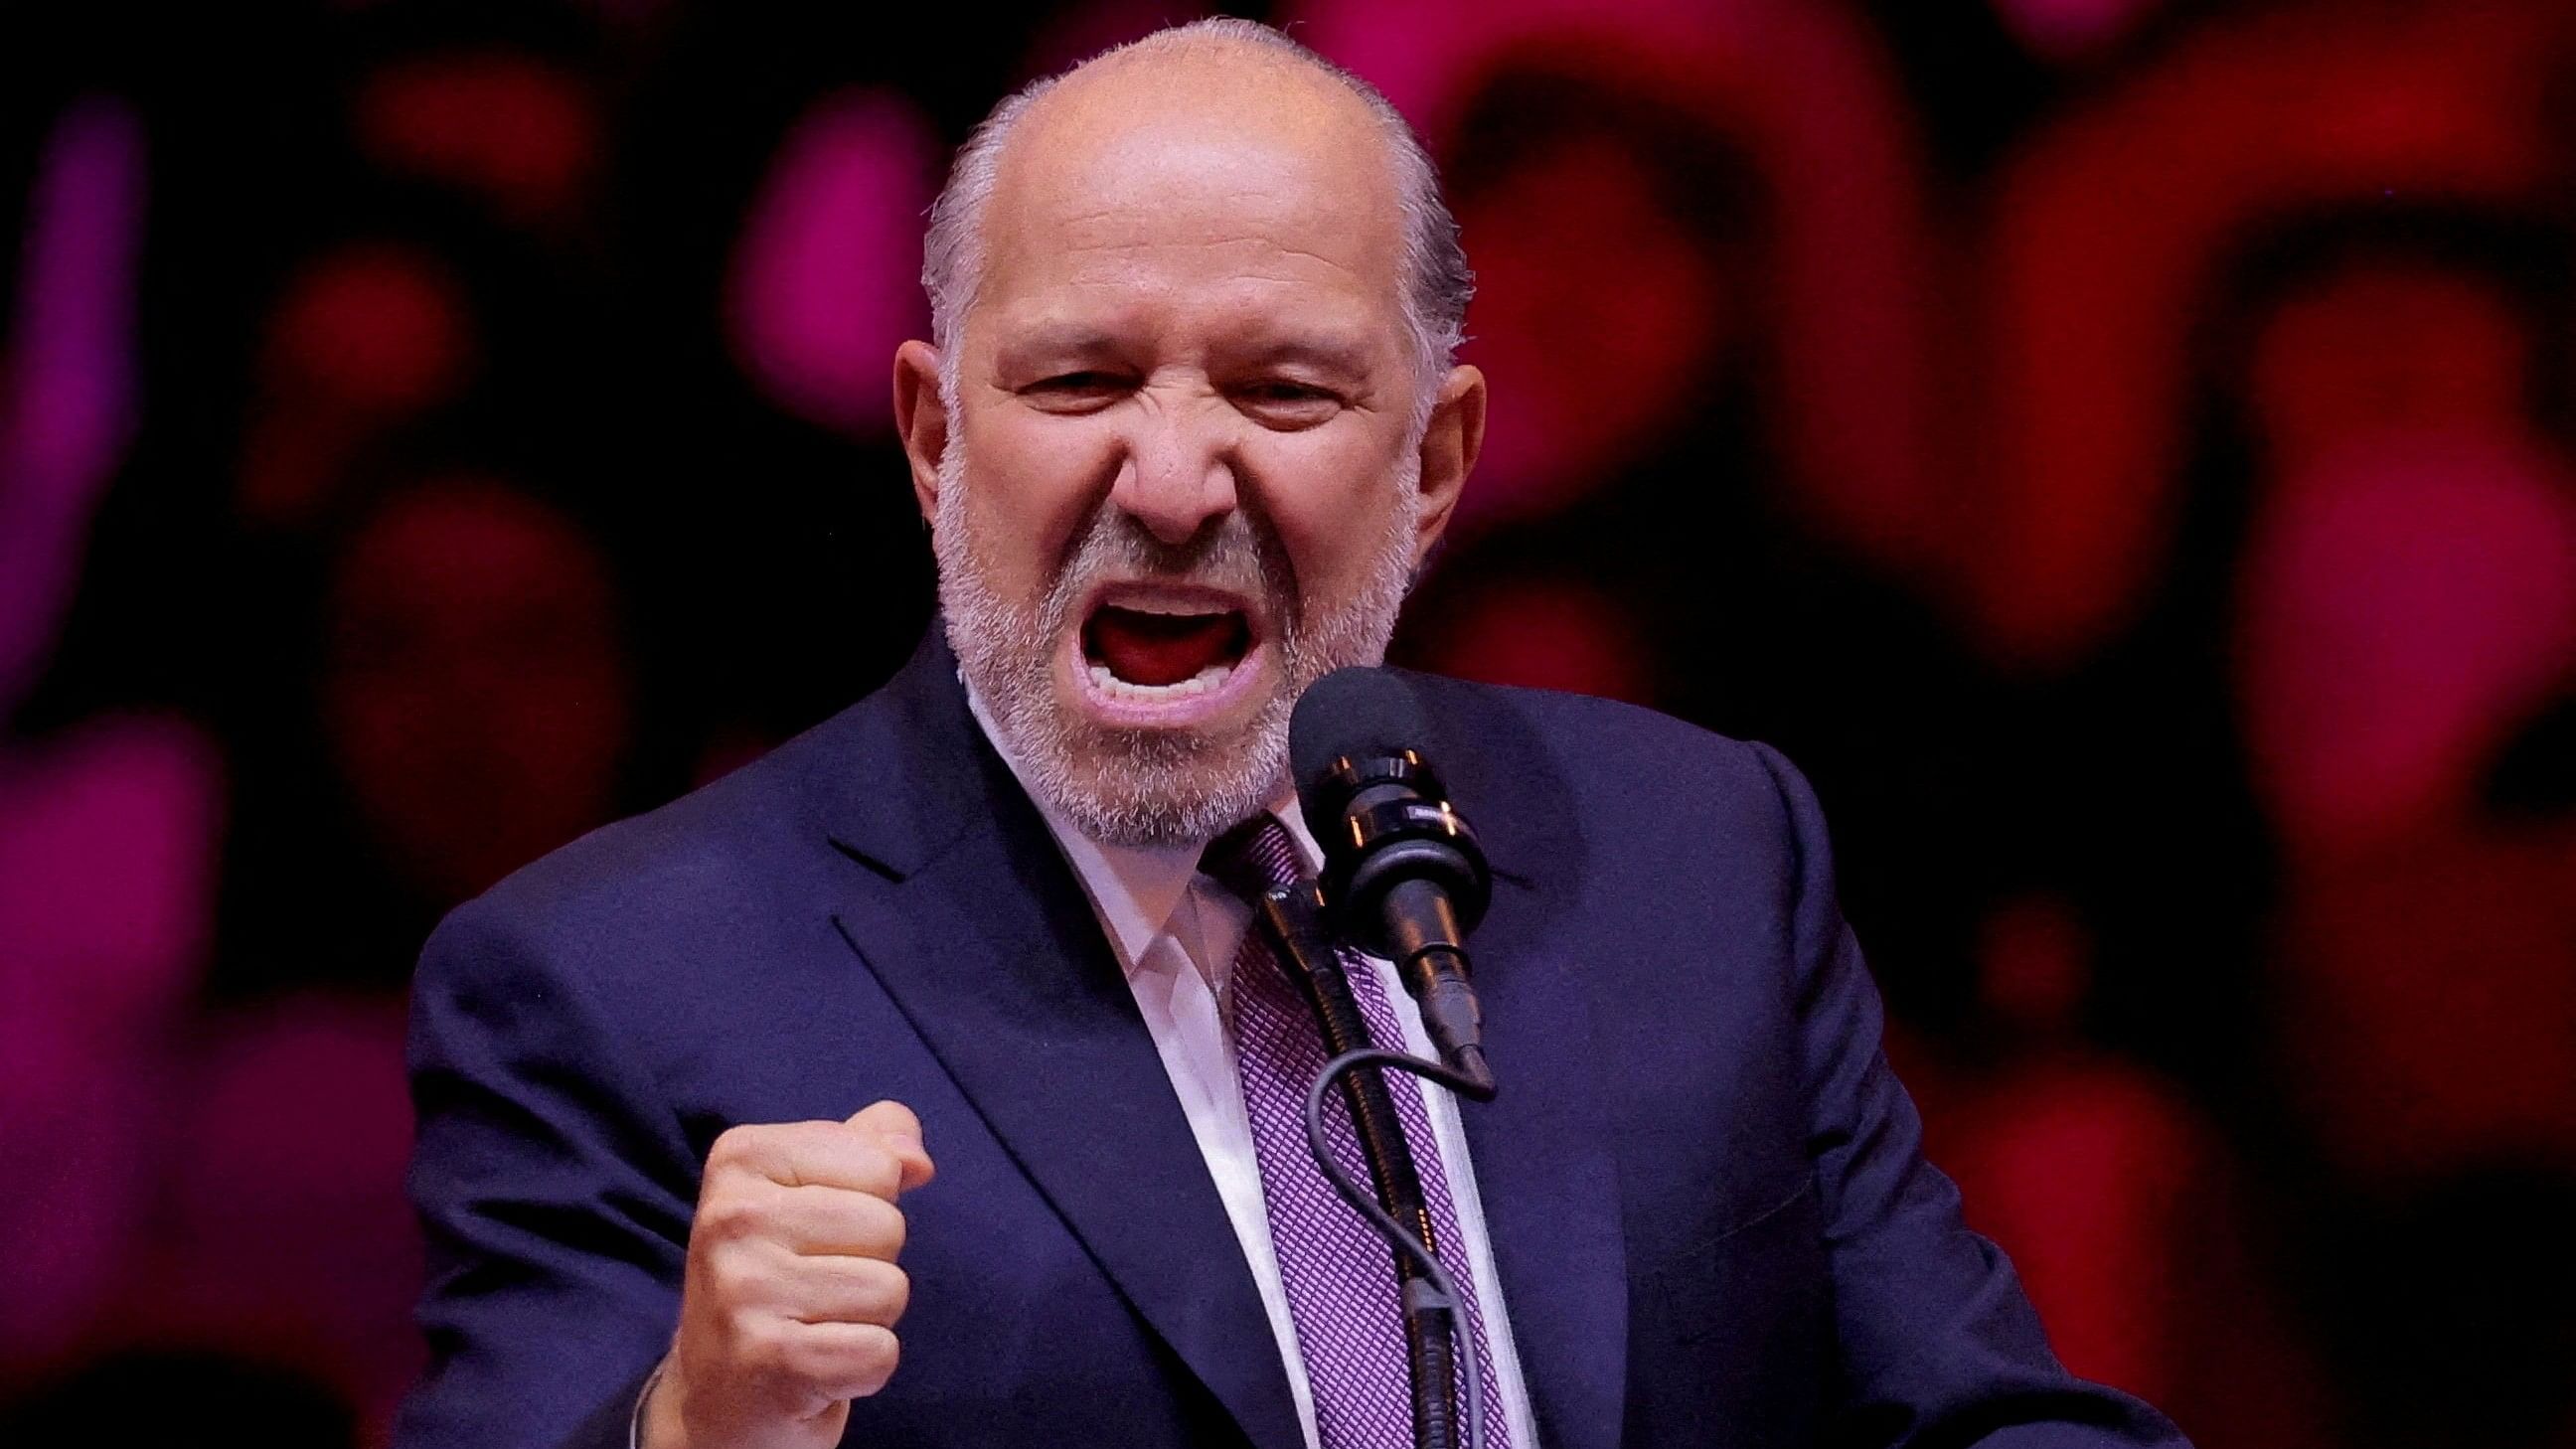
(1252, 857)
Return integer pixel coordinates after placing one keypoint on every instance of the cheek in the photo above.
(1030, 485)
(1331, 500)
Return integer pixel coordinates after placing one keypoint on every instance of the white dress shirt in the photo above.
(1175, 932)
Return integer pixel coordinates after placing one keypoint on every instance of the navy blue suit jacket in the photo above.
(1707, 1206)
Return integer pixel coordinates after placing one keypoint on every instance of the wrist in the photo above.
(657, 1410)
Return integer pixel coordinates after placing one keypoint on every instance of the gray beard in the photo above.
(1139, 787)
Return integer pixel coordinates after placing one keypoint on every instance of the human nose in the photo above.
(1178, 475)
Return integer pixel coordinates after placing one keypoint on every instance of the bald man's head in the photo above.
(1223, 83)
(1190, 423)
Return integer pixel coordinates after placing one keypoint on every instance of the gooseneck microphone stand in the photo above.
(1292, 916)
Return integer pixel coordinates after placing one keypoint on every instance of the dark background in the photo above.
(2118, 449)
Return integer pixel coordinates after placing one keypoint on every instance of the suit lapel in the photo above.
(1546, 1176)
(1545, 1170)
(987, 944)
(968, 915)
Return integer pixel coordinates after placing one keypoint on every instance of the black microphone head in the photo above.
(1356, 713)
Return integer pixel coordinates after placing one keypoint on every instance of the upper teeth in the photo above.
(1166, 606)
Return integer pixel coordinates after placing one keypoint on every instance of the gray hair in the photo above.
(1436, 283)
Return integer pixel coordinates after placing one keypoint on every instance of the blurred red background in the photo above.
(2119, 449)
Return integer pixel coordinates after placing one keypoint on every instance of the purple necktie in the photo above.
(1340, 1275)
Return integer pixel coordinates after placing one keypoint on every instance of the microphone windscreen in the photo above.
(1358, 712)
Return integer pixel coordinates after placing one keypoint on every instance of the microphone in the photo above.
(1404, 877)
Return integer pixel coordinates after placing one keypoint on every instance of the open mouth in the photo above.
(1154, 652)
(1167, 653)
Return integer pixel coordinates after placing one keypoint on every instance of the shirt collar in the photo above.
(1136, 889)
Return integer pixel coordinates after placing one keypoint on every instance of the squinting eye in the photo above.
(1288, 404)
(1078, 382)
(1075, 389)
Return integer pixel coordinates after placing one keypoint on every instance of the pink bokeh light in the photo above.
(2406, 606)
(825, 277)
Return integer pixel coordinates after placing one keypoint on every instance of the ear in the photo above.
(1451, 440)
(921, 418)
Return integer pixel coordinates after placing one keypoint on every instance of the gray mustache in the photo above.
(1233, 556)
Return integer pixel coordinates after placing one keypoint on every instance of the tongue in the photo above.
(1157, 649)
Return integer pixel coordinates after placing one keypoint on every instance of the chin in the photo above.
(1167, 786)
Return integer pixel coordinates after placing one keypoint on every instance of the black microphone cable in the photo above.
(1292, 917)
(1434, 1297)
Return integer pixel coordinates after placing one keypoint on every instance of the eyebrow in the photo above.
(1343, 356)
(1333, 352)
(1061, 339)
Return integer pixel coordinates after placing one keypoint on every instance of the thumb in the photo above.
(898, 1131)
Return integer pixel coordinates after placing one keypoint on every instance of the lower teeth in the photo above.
(1200, 683)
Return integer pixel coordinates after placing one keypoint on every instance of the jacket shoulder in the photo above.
(1602, 745)
(691, 864)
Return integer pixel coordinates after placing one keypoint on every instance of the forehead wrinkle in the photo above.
(1340, 345)
(1263, 240)
(1152, 185)
(1080, 263)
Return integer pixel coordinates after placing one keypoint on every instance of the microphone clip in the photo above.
(1390, 822)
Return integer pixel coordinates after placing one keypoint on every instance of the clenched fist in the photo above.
(788, 1306)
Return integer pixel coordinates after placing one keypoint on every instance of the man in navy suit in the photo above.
(1189, 426)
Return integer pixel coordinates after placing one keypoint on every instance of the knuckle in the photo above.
(730, 1217)
(876, 1167)
(733, 1280)
(876, 1228)
(877, 1354)
(843, 1360)
(765, 1341)
(897, 1293)
(816, 1359)
(731, 1146)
